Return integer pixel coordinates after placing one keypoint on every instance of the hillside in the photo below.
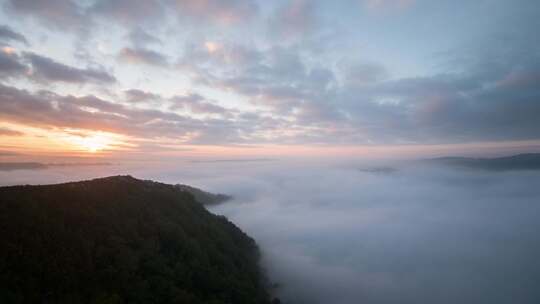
(121, 240)
(203, 197)
(529, 161)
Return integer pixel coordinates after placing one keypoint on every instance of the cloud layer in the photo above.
(341, 232)
(421, 234)
(291, 72)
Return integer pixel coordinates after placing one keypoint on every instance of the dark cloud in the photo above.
(134, 95)
(449, 107)
(10, 65)
(7, 34)
(197, 104)
(143, 56)
(494, 99)
(47, 70)
(47, 109)
(187, 99)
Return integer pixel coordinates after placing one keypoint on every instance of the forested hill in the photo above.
(203, 197)
(121, 240)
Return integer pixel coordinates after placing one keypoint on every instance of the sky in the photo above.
(246, 78)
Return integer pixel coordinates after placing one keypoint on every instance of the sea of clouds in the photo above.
(350, 232)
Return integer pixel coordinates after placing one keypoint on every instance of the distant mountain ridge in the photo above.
(11, 166)
(121, 240)
(525, 161)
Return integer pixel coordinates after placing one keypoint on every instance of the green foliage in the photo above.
(203, 197)
(121, 240)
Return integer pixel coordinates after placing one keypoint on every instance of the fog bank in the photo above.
(336, 234)
(349, 232)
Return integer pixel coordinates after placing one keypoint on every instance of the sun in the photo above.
(93, 142)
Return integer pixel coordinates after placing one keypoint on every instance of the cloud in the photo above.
(388, 4)
(9, 132)
(7, 34)
(10, 65)
(224, 12)
(142, 56)
(134, 95)
(448, 108)
(297, 90)
(141, 38)
(368, 106)
(424, 241)
(84, 16)
(365, 73)
(13, 166)
(47, 109)
(148, 12)
(197, 104)
(56, 14)
(47, 70)
(252, 71)
(275, 78)
(295, 18)
(330, 233)
(181, 100)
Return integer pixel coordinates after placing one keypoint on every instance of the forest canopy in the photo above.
(121, 240)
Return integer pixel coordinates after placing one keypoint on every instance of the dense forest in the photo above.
(203, 197)
(121, 240)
